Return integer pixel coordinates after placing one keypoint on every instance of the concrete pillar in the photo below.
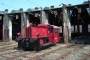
(69, 25)
(66, 25)
(27, 19)
(44, 17)
(23, 23)
(10, 29)
(5, 26)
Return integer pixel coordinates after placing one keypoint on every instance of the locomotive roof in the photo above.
(48, 25)
(55, 26)
(43, 25)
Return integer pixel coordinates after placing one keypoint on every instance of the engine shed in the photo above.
(73, 21)
(80, 22)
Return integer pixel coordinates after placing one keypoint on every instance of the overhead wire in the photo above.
(28, 1)
(8, 5)
(34, 4)
(67, 1)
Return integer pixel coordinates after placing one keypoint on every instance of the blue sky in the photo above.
(17, 4)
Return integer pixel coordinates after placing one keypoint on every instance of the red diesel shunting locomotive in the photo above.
(38, 36)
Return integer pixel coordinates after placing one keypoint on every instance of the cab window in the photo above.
(55, 30)
(50, 30)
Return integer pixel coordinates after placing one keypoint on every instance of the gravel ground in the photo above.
(7, 43)
(7, 53)
(55, 55)
(26, 57)
(6, 56)
(76, 55)
(79, 54)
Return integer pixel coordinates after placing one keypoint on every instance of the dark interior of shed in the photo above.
(80, 22)
(34, 19)
(1, 27)
(16, 25)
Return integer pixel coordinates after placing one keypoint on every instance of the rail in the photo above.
(87, 56)
(52, 51)
(69, 52)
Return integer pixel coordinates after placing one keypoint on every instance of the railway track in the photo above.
(19, 55)
(86, 57)
(66, 51)
(52, 51)
(10, 52)
(31, 53)
(7, 43)
(69, 52)
(9, 47)
(5, 46)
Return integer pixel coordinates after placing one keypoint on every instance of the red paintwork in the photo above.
(41, 42)
(43, 30)
(56, 36)
(19, 35)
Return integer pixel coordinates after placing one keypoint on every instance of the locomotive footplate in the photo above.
(30, 43)
(33, 43)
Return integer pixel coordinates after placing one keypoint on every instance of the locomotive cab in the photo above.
(39, 36)
(56, 34)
